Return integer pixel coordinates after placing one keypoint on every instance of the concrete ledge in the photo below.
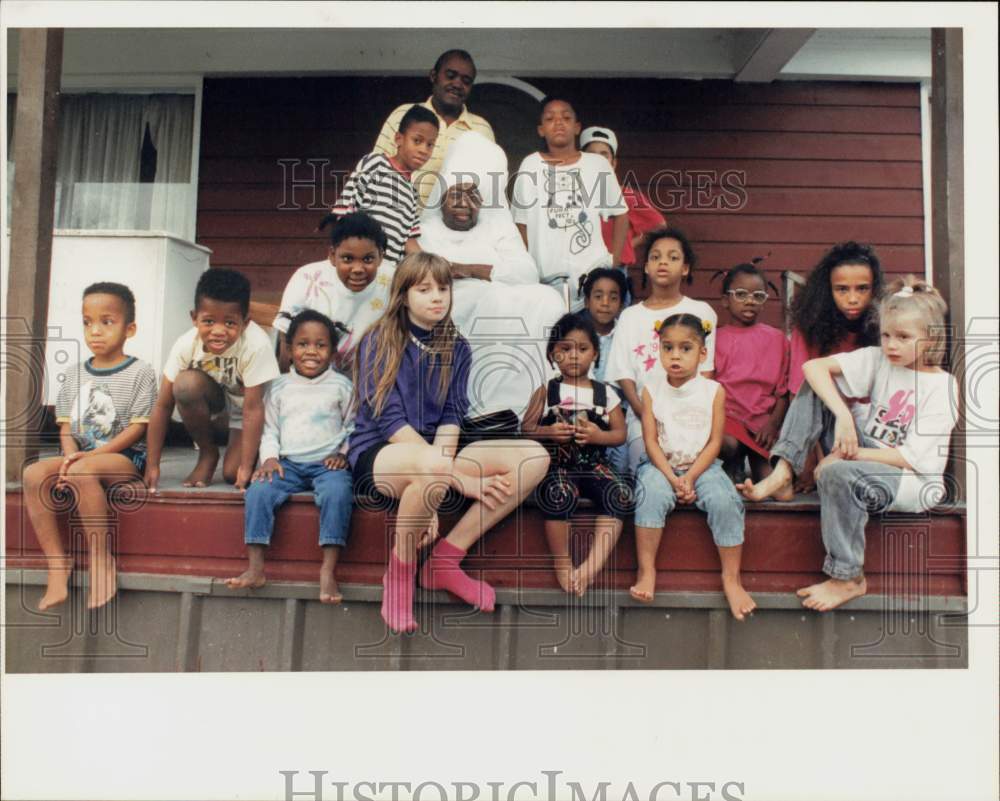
(307, 591)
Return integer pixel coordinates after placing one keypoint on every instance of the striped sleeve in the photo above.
(67, 393)
(354, 188)
(145, 395)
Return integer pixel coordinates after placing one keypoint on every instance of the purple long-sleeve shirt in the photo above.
(414, 400)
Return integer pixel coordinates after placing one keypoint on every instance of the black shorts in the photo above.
(368, 497)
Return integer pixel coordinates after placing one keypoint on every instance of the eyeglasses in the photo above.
(758, 296)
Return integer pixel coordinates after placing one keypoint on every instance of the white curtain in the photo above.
(100, 146)
(170, 120)
(100, 158)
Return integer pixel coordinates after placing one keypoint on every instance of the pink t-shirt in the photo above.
(751, 363)
(801, 353)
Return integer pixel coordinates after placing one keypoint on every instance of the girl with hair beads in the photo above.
(891, 460)
(834, 313)
(581, 418)
(350, 286)
(751, 363)
(411, 376)
(683, 416)
(669, 261)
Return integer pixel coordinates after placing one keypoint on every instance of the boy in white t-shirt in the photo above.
(560, 197)
(220, 366)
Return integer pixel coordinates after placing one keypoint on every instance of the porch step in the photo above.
(201, 534)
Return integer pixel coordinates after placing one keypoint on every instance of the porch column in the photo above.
(948, 209)
(35, 152)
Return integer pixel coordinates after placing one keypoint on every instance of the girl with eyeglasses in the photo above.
(751, 363)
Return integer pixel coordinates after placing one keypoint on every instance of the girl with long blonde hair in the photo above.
(411, 376)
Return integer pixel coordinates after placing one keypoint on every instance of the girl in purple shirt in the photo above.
(412, 375)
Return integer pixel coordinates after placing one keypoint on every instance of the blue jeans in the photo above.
(849, 491)
(655, 499)
(333, 493)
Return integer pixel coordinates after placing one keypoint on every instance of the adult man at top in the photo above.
(451, 84)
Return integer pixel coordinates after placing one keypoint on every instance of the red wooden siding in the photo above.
(823, 162)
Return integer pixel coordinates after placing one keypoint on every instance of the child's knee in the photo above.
(432, 466)
(834, 476)
(36, 473)
(192, 386)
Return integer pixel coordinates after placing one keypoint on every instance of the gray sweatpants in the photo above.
(849, 491)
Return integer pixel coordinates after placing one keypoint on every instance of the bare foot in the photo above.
(583, 578)
(740, 602)
(250, 579)
(57, 590)
(832, 593)
(565, 573)
(786, 493)
(776, 482)
(103, 581)
(204, 470)
(645, 587)
(329, 592)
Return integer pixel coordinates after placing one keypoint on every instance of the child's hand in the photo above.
(845, 436)
(768, 435)
(67, 463)
(432, 532)
(585, 431)
(265, 472)
(684, 490)
(152, 477)
(833, 456)
(561, 432)
(335, 462)
(490, 490)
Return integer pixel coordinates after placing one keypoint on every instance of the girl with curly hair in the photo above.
(834, 313)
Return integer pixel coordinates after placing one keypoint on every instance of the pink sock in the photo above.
(442, 572)
(397, 595)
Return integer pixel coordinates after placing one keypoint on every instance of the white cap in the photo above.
(595, 134)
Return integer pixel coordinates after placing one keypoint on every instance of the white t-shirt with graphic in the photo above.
(683, 416)
(248, 362)
(635, 350)
(562, 207)
(317, 286)
(910, 410)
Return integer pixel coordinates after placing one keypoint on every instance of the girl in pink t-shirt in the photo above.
(751, 363)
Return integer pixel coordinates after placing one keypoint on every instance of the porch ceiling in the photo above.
(746, 54)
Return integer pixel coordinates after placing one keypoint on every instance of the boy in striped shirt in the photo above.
(382, 185)
(103, 409)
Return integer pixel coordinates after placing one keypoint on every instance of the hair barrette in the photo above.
(905, 292)
(706, 326)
